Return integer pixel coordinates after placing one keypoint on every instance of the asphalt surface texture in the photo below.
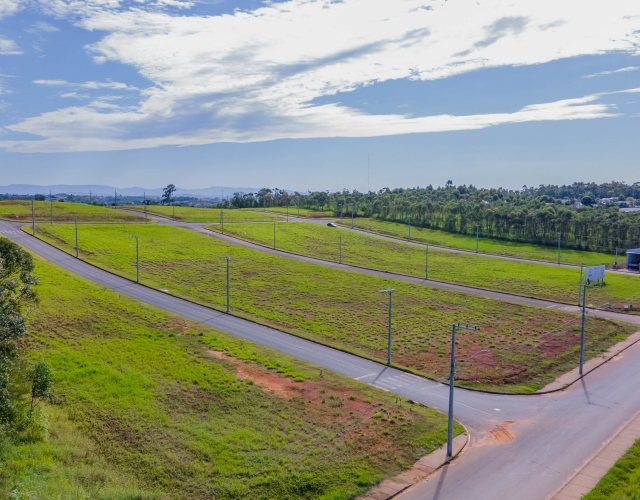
(522, 447)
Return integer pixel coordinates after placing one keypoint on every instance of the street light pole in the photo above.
(452, 373)
(340, 248)
(426, 263)
(559, 247)
(76, 238)
(137, 261)
(477, 236)
(340, 205)
(353, 207)
(390, 293)
(33, 216)
(222, 220)
(287, 211)
(274, 235)
(584, 316)
(409, 222)
(228, 298)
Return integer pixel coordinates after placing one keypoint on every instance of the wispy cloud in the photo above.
(251, 76)
(86, 85)
(621, 70)
(42, 27)
(74, 95)
(8, 47)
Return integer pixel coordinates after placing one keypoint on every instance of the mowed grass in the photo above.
(293, 212)
(194, 214)
(486, 245)
(529, 346)
(20, 210)
(559, 284)
(151, 405)
(622, 482)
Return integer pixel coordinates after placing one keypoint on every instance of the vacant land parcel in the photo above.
(559, 284)
(150, 405)
(486, 245)
(529, 346)
(194, 214)
(20, 210)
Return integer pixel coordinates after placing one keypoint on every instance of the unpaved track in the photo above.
(551, 435)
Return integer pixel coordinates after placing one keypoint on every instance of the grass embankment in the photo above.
(20, 210)
(622, 482)
(559, 284)
(486, 245)
(529, 346)
(293, 212)
(193, 214)
(151, 405)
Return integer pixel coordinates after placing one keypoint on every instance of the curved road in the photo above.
(539, 444)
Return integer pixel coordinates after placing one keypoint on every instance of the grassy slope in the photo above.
(293, 211)
(622, 482)
(464, 242)
(20, 210)
(149, 411)
(192, 214)
(522, 278)
(529, 345)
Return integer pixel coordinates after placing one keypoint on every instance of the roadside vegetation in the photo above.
(149, 405)
(529, 346)
(622, 482)
(193, 214)
(20, 210)
(486, 245)
(559, 284)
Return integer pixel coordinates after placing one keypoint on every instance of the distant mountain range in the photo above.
(95, 189)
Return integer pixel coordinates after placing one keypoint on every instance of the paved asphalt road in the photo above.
(522, 447)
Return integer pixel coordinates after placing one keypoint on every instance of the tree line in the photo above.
(531, 215)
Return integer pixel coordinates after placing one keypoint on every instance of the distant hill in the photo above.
(100, 190)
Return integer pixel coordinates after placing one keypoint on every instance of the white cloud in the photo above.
(8, 47)
(9, 7)
(74, 95)
(86, 85)
(250, 76)
(621, 70)
(42, 27)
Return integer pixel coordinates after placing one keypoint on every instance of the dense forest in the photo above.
(587, 215)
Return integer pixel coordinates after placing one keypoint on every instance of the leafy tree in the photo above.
(39, 197)
(587, 201)
(167, 193)
(16, 297)
(41, 377)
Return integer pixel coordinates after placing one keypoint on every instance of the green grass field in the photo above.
(293, 211)
(486, 245)
(522, 278)
(622, 482)
(150, 405)
(20, 210)
(193, 214)
(530, 346)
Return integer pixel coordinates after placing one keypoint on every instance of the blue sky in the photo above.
(299, 94)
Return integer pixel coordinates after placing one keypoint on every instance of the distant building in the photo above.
(633, 259)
